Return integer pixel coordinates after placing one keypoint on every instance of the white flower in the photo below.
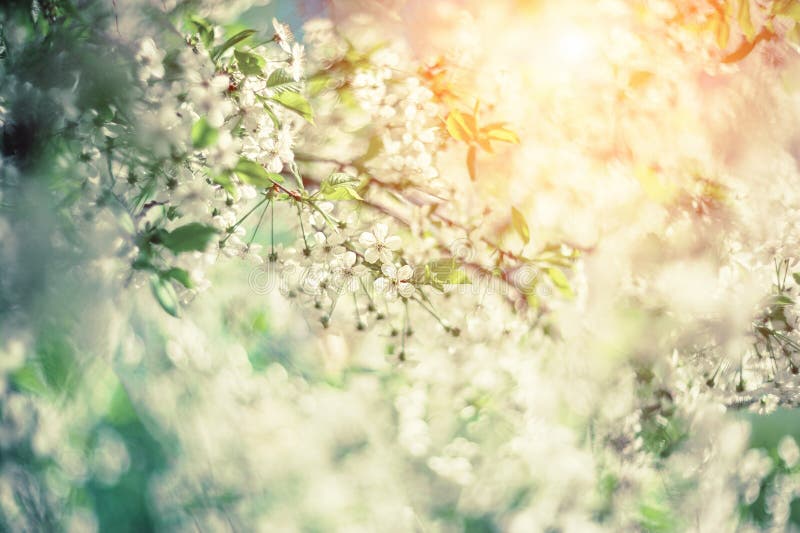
(270, 155)
(284, 142)
(788, 451)
(318, 218)
(297, 62)
(283, 35)
(379, 244)
(208, 97)
(151, 59)
(346, 273)
(395, 281)
(327, 245)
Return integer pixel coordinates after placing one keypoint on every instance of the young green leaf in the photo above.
(441, 272)
(254, 174)
(457, 127)
(787, 8)
(721, 31)
(233, 41)
(520, 225)
(203, 135)
(180, 275)
(295, 102)
(340, 186)
(165, 294)
(249, 64)
(29, 379)
(503, 135)
(374, 148)
(203, 28)
(745, 23)
(280, 81)
(560, 281)
(193, 237)
(224, 179)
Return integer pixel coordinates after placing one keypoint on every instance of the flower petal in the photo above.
(381, 231)
(367, 239)
(405, 272)
(382, 285)
(371, 255)
(406, 290)
(386, 255)
(389, 270)
(394, 242)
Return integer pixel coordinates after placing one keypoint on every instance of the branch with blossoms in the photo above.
(243, 102)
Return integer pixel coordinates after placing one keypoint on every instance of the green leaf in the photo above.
(340, 186)
(503, 135)
(57, 360)
(233, 41)
(180, 275)
(203, 134)
(458, 128)
(787, 8)
(249, 64)
(471, 153)
(520, 225)
(374, 148)
(120, 410)
(318, 83)
(224, 179)
(28, 378)
(193, 237)
(560, 281)
(745, 23)
(483, 142)
(255, 174)
(280, 81)
(203, 28)
(165, 294)
(796, 277)
(721, 32)
(295, 102)
(441, 272)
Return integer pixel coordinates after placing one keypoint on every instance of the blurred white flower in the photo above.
(150, 59)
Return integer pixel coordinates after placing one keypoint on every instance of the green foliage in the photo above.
(281, 81)
(180, 275)
(520, 225)
(340, 186)
(203, 134)
(255, 174)
(464, 127)
(295, 102)
(192, 237)
(560, 281)
(165, 294)
(249, 64)
(203, 28)
(233, 41)
(745, 23)
(441, 272)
